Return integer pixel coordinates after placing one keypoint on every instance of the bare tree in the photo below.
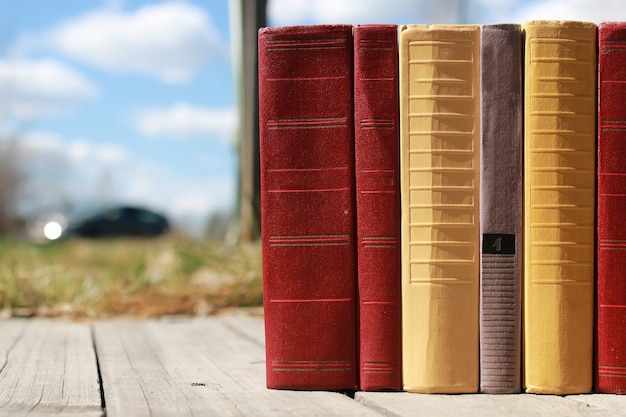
(33, 181)
(10, 180)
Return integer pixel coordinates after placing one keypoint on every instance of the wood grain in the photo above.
(471, 405)
(48, 368)
(198, 367)
(205, 367)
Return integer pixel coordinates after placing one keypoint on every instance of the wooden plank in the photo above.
(12, 331)
(212, 366)
(134, 382)
(244, 362)
(249, 325)
(48, 367)
(471, 405)
(611, 402)
(198, 367)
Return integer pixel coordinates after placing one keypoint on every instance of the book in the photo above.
(501, 209)
(376, 126)
(610, 370)
(559, 205)
(308, 206)
(439, 71)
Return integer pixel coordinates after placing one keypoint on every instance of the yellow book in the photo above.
(439, 150)
(559, 194)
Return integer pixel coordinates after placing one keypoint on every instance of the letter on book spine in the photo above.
(440, 167)
(559, 206)
(308, 206)
(501, 209)
(611, 269)
(376, 119)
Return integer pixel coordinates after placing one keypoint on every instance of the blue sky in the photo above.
(133, 100)
(120, 101)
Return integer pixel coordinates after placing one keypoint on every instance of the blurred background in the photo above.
(150, 103)
(137, 115)
(142, 102)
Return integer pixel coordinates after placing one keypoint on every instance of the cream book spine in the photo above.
(439, 152)
(559, 206)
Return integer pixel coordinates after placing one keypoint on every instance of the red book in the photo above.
(376, 118)
(308, 206)
(611, 263)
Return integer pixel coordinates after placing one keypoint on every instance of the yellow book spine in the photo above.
(559, 205)
(440, 143)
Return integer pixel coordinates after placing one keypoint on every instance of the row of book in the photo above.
(443, 207)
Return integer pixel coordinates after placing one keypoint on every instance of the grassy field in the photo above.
(130, 277)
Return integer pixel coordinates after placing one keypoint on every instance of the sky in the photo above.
(134, 101)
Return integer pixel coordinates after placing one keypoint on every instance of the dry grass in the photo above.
(131, 277)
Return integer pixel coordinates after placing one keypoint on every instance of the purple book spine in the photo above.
(501, 209)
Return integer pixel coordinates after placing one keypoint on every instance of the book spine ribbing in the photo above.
(307, 206)
(559, 205)
(501, 209)
(610, 370)
(376, 119)
(439, 148)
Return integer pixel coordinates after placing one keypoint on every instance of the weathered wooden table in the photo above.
(211, 366)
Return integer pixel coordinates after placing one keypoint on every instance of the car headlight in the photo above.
(53, 230)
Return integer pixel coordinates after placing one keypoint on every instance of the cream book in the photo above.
(439, 152)
(559, 206)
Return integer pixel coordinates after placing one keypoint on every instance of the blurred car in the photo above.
(117, 222)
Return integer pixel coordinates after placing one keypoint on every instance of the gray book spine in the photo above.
(501, 209)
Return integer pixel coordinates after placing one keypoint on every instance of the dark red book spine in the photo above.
(308, 206)
(611, 264)
(376, 118)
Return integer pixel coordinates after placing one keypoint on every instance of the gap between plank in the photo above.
(100, 381)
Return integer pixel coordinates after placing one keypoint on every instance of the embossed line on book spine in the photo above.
(310, 240)
(612, 46)
(379, 367)
(379, 242)
(377, 124)
(298, 44)
(575, 157)
(612, 244)
(441, 160)
(311, 366)
(308, 123)
(612, 371)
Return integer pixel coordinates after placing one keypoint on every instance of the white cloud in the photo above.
(187, 202)
(494, 3)
(89, 173)
(79, 150)
(36, 88)
(82, 155)
(44, 171)
(112, 153)
(283, 12)
(595, 11)
(57, 171)
(85, 151)
(38, 141)
(179, 196)
(290, 12)
(185, 121)
(169, 41)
